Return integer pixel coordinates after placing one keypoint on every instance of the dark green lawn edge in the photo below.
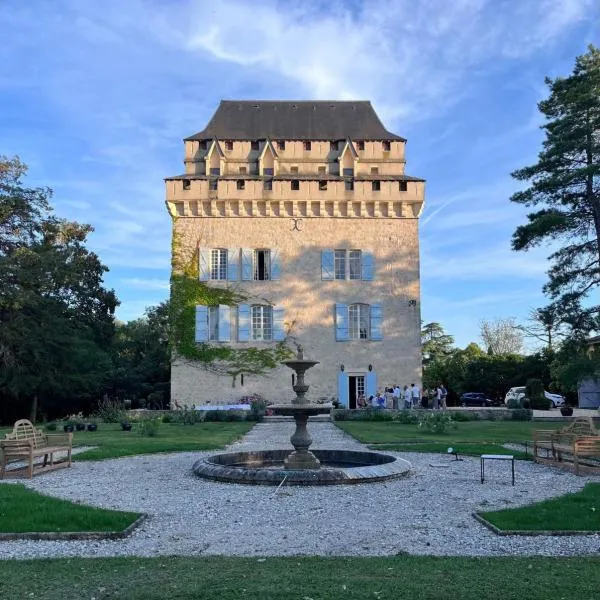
(529, 532)
(417, 447)
(75, 535)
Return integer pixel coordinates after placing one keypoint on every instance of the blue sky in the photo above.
(97, 96)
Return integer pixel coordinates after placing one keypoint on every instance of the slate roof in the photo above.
(301, 120)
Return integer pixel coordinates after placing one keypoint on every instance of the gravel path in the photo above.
(428, 512)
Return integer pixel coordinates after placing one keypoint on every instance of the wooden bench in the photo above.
(26, 443)
(579, 439)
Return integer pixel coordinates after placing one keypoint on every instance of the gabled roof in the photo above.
(215, 144)
(270, 146)
(301, 120)
(348, 146)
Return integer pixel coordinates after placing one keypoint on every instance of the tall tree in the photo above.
(436, 344)
(56, 318)
(501, 336)
(545, 325)
(565, 185)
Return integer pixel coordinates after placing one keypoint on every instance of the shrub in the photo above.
(541, 403)
(149, 427)
(521, 414)
(436, 422)
(51, 426)
(406, 417)
(514, 403)
(111, 411)
(189, 416)
(168, 418)
(460, 416)
(258, 408)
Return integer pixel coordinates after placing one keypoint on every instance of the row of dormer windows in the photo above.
(295, 185)
(307, 144)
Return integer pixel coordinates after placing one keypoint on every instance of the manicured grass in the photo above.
(464, 449)
(112, 442)
(24, 510)
(573, 512)
(225, 578)
(385, 432)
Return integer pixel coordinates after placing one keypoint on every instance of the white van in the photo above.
(517, 393)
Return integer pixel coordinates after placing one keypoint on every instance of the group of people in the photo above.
(406, 398)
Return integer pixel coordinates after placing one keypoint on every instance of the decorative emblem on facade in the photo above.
(296, 225)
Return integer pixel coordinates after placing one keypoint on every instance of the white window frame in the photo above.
(261, 323)
(354, 264)
(267, 264)
(213, 323)
(218, 264)
(359, 321)
(339, 264)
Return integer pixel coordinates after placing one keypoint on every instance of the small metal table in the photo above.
(485, 457)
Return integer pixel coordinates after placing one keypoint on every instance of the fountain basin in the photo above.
(289, 410)
(338, 467)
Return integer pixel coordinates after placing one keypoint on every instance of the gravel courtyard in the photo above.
(426, 512)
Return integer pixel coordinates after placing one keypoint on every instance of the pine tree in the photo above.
(565, 186)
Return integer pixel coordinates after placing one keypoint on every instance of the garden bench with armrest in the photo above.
(26, 443)
(563, 444)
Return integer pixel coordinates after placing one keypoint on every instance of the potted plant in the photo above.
(92, 426)
(125, 425)
(566, 410)
(69, 427)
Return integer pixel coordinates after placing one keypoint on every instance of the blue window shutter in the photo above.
(243, 323)
(201, 323)
(204, 264)
(327, 268)
(247, 254)
(370, 384)
(278, 329)
(224, 323)
(376, 322)
(233, 263)
(368, 266)
(275, 264)
(343, 388)
(341, 322)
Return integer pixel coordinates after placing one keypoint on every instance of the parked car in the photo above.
(475, 399)
(517, 393)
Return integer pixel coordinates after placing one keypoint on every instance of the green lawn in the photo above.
(386, 432)
(442, 448)
(305, 578)
(573, 512)
(112, 442)
(24, 510)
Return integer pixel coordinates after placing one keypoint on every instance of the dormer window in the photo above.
(228, 145)
(376, 186)
(360, 145)
(202, 144)
(241, 184)
(295, 184)
(307, 146)
(403, 186)
(186, 184)
(386, 146)
(254, 145)
(281, 145)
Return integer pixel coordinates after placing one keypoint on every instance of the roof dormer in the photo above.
(215, 158)
(267, 159)
(348, 158)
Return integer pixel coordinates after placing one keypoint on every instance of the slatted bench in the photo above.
(26, 443)
(580, 439)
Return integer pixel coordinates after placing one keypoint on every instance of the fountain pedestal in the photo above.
(301, 410)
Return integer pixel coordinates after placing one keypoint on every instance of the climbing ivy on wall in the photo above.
(187, 291)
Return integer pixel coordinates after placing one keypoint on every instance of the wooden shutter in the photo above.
(367, 265)
(343, 389)
(278, 329)
(370, 383)
(233, 263)
(224, 323)
(243, 323)
(327, 265)
(247, 255)
(341, 322)
(204, 264)
(201, 323)
(376, 322)
(275, 264)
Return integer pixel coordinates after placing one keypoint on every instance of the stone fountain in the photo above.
(301, 410)
(301, 466)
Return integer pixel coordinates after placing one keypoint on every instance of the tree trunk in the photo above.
(34, 409)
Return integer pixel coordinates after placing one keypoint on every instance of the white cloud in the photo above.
(147, 284)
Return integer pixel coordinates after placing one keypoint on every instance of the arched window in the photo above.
(359, 318)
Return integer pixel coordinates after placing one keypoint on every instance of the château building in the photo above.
(306, 209)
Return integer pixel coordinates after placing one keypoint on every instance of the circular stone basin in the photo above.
(266, 468)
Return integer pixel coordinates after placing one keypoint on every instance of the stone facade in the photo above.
(300, 200)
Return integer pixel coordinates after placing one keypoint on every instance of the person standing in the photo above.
(397, 395)
(415, 395)
(444, 391)
(437, 398)
(407, 397)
